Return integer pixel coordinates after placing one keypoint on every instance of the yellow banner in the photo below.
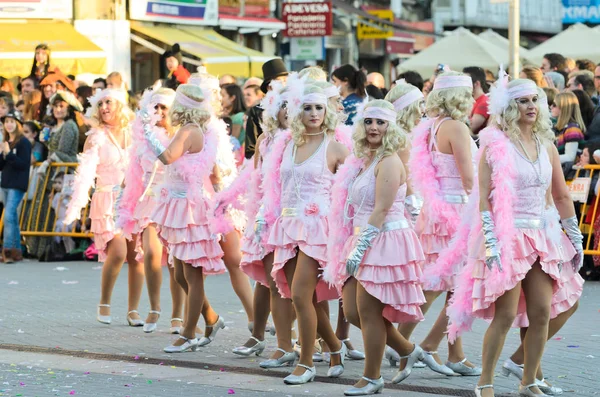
(375, 30)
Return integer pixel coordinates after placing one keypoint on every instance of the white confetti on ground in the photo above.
(13, 282)
(70, 282)
(61, 268)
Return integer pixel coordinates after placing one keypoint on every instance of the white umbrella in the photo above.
(577, 42)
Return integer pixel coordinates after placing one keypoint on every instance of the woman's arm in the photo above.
(460, 141)
(570, 152)
(485, 182)
(85, 176)
(257, 150)
(560, 191)
(336, 155)
(69, 140)
(387, 183)
(181, 143)
(404, 155)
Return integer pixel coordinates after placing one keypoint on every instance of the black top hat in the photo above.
(13, 114)
(174, 52)
(271, 70)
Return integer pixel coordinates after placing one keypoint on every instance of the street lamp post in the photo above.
(514, 37)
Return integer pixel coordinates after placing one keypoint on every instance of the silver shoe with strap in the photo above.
(134, 322)
(220, 324)
(430, 361)
(288, 358)
(374, 386)
(416, 355)
(525, 391)
(307, 376)
(462, 369)
(103, 319)
(548, 389)
(511, 368)
(189, 344)
(478, 389)
(175, 330)
(151, 327)
(353, 354)
(257, 348)
(337, 370)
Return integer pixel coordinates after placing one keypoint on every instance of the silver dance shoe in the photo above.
(307, 376)
(375, 386)
(463, 369)
(416, 355)
(257, 348)
(288, 358)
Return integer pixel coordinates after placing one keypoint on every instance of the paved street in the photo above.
(51, 344)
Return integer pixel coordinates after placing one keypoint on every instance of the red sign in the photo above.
(256, 8)
(307, 19)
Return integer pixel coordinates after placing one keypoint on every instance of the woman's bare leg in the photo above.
(239, 280)
(153, 253)
(116, 252)
(135, 278)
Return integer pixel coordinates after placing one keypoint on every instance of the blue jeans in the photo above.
(12, 232)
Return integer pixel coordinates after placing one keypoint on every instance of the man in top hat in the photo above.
(272, 70)
(174, 62)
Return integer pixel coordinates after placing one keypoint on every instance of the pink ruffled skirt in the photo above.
(435, 237)
(391, 272)
(290, 234)
(530, 244)
(253, 254)
(184, 229)
(102, 215)
(142, 217)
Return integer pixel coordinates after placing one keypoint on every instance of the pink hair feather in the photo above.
(343, 134)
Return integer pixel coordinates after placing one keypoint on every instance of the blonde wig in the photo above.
(568, 104)
(455, 102)
(409, 116)
(270, 125)
(181, 115)
(329, 124)
(393, 140)
(509, 121)
(314, 73)
(123, 113)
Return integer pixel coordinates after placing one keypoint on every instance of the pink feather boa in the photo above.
(237, 189)
(271, 183)
(85, 176)
(339, 229)
(502, 197)
(343, 134)
(424, 178)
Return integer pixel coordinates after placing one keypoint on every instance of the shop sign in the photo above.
(585, 11)
(252, 8)
(307, 48)
(307, 19)
(190, 12)
(36, 9)
(375, 30)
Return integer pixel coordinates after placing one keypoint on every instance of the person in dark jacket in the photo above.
(15, 160)
(272, 70)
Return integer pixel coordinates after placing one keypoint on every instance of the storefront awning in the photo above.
(219, 54)
(71, 52)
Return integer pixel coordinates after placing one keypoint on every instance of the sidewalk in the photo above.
(50, 311)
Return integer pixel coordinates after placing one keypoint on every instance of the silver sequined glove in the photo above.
(414, 206)
(259, 223)
(492, 253)
(365, 238)
(155, 144)
(571, 227)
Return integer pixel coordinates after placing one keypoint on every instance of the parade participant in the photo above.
(343, 134)
(139, 200)
(225, 221)
(442, 170)
(299, 185)
(257, 257)
(368, 199)
(521, 268)
(103, 164)
(182, 211)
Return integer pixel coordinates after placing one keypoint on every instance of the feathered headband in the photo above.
(273, 100)
(500, 94)
(296, 97)
(208, 83)
(116, 94)
(407, 99)
(374, 112)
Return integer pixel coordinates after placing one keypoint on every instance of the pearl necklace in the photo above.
(538, 171)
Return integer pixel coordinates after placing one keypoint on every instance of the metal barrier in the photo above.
(588, 228)
(37, 218)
